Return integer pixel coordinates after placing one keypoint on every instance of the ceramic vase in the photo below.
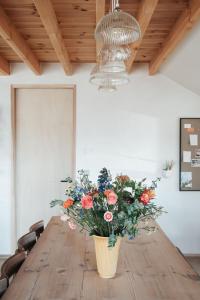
(106, 257)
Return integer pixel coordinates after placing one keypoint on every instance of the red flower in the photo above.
(146, 196)
(87, 202)
(69, 202)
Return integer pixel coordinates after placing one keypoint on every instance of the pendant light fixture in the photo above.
(98, 77)
(117, 27)
(114, 31)
(114, 53)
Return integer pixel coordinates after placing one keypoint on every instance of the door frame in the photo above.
(13, 145)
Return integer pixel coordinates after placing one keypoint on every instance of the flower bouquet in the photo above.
(109, 210)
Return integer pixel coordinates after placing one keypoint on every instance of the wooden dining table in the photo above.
(62, 266)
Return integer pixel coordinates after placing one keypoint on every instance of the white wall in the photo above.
(183, 65)
(133, 130)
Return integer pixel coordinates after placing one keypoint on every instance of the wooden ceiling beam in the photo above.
(4, 66)
(48, 17)
(100, 12)
(146, 10)
(185, 22)
(15, 40)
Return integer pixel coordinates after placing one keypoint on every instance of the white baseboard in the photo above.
(191, 254)
(4, 256)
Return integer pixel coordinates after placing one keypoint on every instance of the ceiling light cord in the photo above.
(114, 5)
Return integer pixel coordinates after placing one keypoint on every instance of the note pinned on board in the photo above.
(186, 180)
(187, 125)
(187, 156)
(197, 155)
(193, 139)
(190, 130)
(195, 163)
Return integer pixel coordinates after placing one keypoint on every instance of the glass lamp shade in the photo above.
(107, 86)
(114, 53)
(99, 78)
(117, 28)
(112, 67)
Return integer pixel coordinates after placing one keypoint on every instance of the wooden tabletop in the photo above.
(62, 266)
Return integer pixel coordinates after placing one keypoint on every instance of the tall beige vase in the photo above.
(107, 257)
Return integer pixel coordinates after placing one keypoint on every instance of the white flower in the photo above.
(64, 218)
(128, 189)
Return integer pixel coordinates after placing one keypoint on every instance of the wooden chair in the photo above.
(38, 228)
(12, 264)
(26, 242)
(3, 285)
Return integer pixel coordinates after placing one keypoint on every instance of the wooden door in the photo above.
(44, 151)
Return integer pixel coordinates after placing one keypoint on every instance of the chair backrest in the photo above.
(3, 285)
(12, 264)
(26, 242)
(38, 228)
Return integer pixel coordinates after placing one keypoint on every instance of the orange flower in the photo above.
(152, 194)
(69, 202)
(123, 178)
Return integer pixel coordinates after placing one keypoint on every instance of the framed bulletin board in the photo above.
(189, 154)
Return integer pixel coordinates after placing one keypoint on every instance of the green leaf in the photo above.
(112, 240)
(56, 202)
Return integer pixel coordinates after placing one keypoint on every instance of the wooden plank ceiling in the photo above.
(68, 34)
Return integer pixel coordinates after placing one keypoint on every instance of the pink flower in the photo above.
(72, 225)
(87, 202)
(108, 216)
(112, 198)
(64, 218)
(107, 192)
